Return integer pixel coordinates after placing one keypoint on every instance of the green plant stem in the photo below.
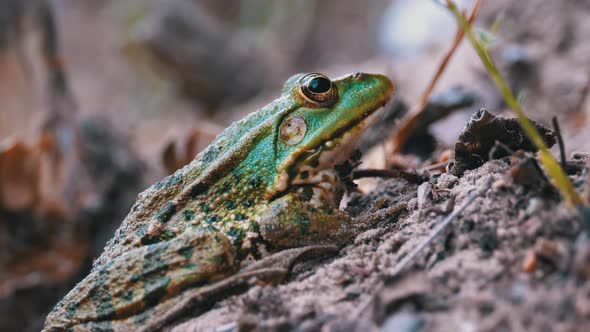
(552, 167)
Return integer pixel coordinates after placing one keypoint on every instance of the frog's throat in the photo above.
(313, 165)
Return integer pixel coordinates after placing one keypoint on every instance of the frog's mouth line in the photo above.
(315, 167)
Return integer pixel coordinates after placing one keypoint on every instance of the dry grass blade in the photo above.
(552, 167)
(406, 128)
(409, 258)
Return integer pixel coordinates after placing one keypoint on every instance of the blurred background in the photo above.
(99, 99)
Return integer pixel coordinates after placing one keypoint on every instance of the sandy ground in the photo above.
(470, 279)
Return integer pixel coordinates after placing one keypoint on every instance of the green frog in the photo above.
(266, 183)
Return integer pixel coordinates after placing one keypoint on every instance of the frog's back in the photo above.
(219, 158)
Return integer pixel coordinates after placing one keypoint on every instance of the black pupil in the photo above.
(319, 85)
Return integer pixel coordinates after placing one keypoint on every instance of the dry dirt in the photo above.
(470, 279)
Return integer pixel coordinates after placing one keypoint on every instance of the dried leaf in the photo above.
(477, 141)
(19, 176)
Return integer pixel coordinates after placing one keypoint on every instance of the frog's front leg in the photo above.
(142, 277)
(304, 218)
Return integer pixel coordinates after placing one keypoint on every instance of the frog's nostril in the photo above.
(357, 75)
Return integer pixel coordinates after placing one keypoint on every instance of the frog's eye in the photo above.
(318, 89)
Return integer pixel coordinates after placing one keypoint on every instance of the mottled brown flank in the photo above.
(155, 290)
(170, 181)
(210, 154)
(230, 210)
(199, 189)
(239, 217)
(188, 215)
(166, 213)
(101, 296)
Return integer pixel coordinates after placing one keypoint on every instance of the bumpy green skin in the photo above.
(197, 224)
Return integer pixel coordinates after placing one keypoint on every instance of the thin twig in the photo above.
(551, 165)
(389, 173)
(405, 129)
(431, 167)
(447, 58)
(559, 142)
(61, 104)
(409, 258)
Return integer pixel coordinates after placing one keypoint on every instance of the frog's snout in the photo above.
(378, 84)
(382, 81)
(387, 84)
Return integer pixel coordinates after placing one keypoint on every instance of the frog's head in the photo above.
(323, 128)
